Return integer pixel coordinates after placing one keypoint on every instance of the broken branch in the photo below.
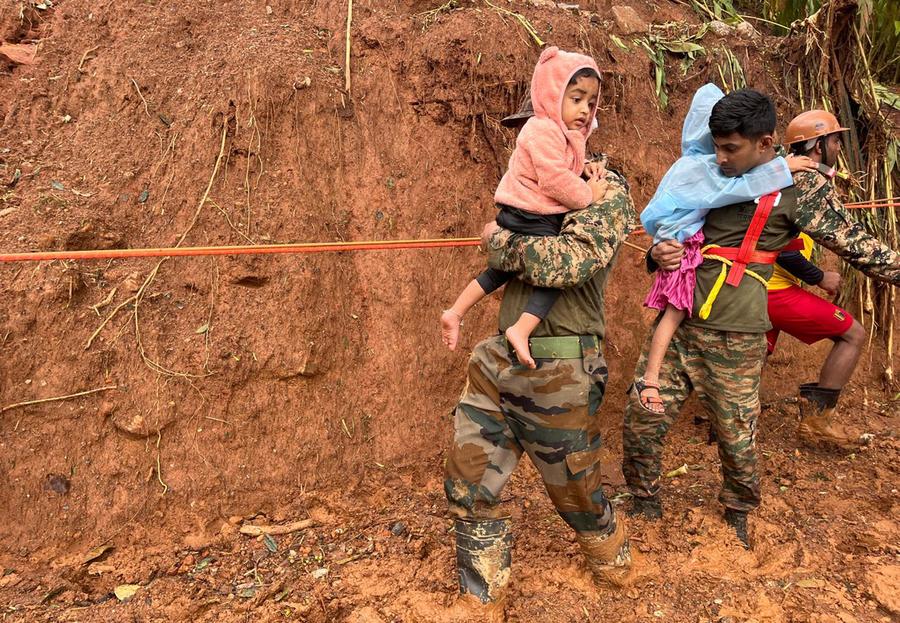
(285, 529)
(56, 398)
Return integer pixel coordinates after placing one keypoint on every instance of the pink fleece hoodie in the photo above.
(545, 167)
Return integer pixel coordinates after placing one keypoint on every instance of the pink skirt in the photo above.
(676, 288)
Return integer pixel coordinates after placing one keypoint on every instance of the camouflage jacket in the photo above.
(586, 244)
(824, 218)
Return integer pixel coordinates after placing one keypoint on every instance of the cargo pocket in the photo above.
(578, 462)
(598, 373)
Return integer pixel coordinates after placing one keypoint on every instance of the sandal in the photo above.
(653, 404)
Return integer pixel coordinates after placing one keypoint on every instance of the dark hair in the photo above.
(747, 112)
(800, 149)
(584, 72)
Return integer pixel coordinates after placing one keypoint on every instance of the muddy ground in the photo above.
(261, 390)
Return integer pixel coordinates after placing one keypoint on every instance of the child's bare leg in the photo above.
(659, 344)
(451, 319)
(518, 335)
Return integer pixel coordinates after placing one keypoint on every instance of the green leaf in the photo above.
(202, 329)
(126, 591)
(619, 43)
(681, 47)
(271, 543)
(886, 96)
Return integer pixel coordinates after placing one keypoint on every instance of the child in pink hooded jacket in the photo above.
(542, 184)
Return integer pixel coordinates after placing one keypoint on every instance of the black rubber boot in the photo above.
(648, 508)
(483, 555)
(711, 437)
(738, 520)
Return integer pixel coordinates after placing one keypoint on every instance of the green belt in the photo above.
(564, 347)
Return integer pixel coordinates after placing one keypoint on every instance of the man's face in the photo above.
(579, 101)
(833, 146)
(737, 154)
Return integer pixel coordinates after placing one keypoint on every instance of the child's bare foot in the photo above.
(648, 394)
(518, 339)
(450, 324)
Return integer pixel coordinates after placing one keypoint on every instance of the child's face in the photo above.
(578, 103)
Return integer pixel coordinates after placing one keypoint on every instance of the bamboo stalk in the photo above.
(347, 47)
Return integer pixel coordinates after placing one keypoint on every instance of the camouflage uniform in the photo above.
(822, 215)
(549, 412)
(724, 368)
(724, 365)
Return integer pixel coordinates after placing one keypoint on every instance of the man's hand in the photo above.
(667, 254)
(486, 233)
(831, 282)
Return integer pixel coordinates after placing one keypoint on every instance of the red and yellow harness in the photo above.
(735, 259)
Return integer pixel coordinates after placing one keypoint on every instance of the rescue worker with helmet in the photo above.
(810, 318)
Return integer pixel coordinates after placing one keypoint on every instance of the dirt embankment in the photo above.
(314, 386)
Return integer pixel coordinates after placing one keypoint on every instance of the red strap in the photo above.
(796, 244)
(748, 244)
(756, 257)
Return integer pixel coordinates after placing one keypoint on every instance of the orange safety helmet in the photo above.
(812, 124)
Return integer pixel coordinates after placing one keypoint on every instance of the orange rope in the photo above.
(259, 249)
(303, 247)
(890, 202)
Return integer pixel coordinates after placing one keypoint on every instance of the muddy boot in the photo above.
(738, 520)
(483, 553)
(608, 557)
(648, 508)
(817, 408)
(712, 437)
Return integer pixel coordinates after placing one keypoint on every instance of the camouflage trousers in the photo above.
(549, 413)
(724, 368)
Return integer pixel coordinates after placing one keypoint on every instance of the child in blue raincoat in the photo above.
(692, 187)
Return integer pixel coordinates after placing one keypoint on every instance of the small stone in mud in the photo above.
(398, 529)
(58, 483)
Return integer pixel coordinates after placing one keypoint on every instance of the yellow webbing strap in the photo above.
(720, 280)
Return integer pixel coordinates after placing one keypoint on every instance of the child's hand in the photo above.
(595, 169)
(598, 186)
(801, 163)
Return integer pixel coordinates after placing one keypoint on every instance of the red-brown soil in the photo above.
(279, 388)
